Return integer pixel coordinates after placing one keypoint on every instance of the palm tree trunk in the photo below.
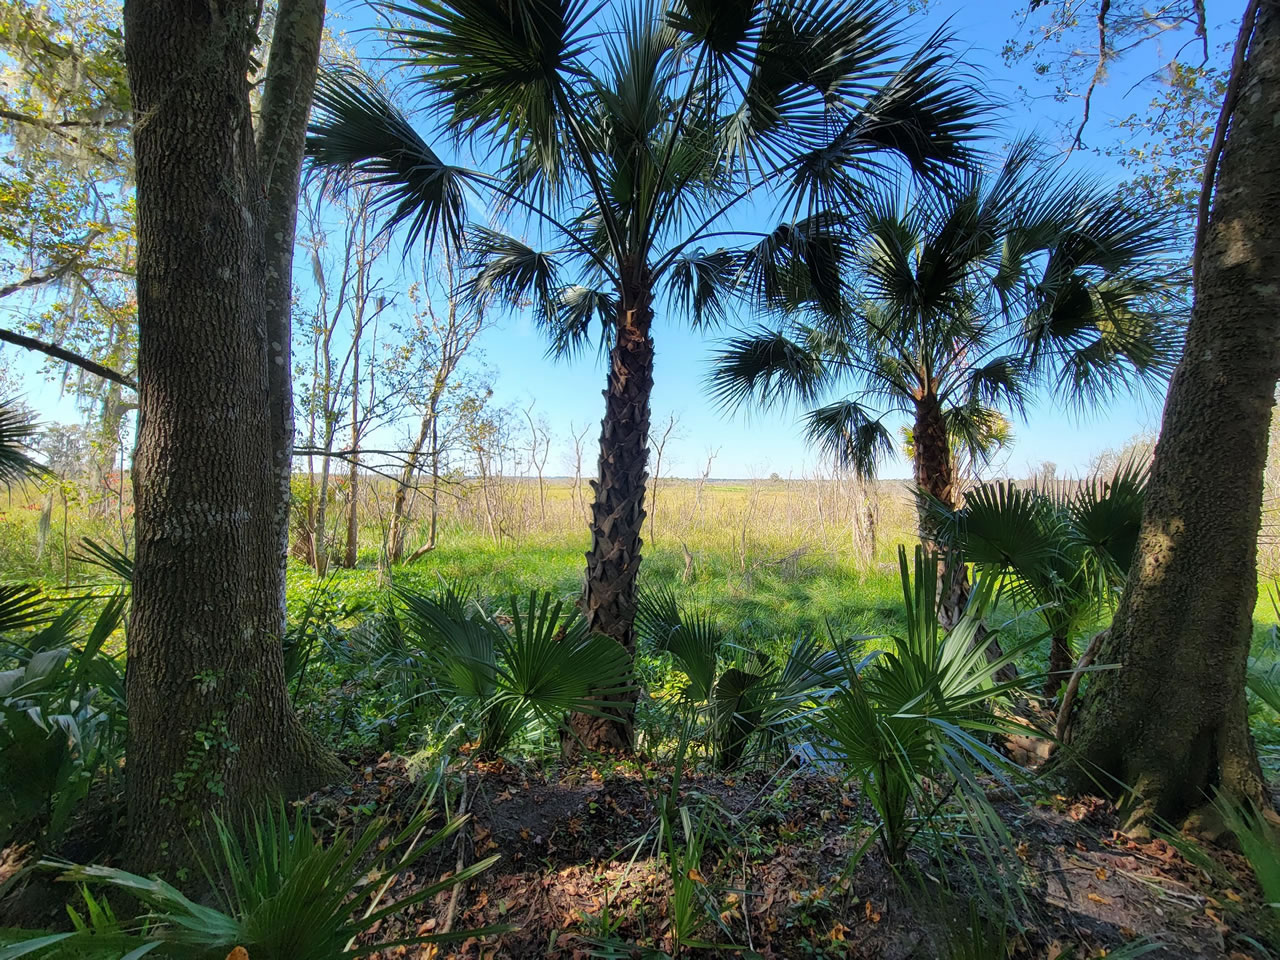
(934, 474)
(1061, 664)
(617, 515)
(1172, 722)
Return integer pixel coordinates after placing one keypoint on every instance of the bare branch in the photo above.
(67, 356)
(63, 129)
(1099, 71)
(53, 274)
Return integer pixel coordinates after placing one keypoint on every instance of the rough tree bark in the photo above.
(1171, 723)
(210, 722)
(617, 513)
(282, 132)
(934, 473)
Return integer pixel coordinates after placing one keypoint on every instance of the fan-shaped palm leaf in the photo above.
(16, 432)
(358, 133)
(543, 666)
(850, 435)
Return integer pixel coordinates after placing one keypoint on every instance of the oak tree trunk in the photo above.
(210, 723)
(282, 131)
(617, 513)
(1171, 723)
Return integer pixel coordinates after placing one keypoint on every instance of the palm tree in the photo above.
(624, 138)
(974, 296)
(1063, 552)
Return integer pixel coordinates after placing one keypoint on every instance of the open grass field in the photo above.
(769, 559)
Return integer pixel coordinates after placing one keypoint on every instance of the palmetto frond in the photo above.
(741, 692)
(703, 284)
(498, 69)
(1106, 517)
(279, 891)
(357, 133)
(578, 309)
(16, 433)
(921, 708)
(693, 639)
(22, 606)
(1005, 527)
(512, 273)
(543, 666)
(977, 430)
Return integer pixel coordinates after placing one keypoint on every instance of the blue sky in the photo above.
(754, 443)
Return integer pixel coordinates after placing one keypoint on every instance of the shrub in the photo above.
(922, 709)
(280, 893)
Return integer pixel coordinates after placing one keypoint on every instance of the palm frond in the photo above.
(693, 639)
(108, 556)
(980, 431)
(512, 273)
(542, 666)
(16, 432)
(849, 434)
(282, 892)
(1005, 527)
(702, 283)
(800, 264)
(926, 113)
(359, 136)
(765, 367)
(505, 70)
(1106, 518)
(22, 607)
(1263, 680)
(552, 665)
(578, 309)
(723, 27)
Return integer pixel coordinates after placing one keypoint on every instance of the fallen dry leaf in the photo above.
(1099, 899)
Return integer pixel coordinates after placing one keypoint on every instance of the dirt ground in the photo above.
(579, 854)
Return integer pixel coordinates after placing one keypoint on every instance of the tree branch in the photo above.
(1098, 72)
(67, 356)
(63, 130)
(1247, 24)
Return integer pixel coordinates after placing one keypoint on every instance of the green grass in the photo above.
(766, 603)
